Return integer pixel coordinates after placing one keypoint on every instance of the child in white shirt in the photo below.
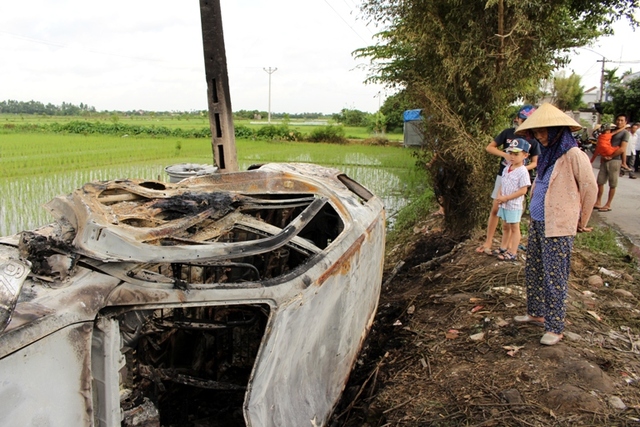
(515, 184)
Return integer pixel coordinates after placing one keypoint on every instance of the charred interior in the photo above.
(237, 238)
(255, 223)
(186, 366)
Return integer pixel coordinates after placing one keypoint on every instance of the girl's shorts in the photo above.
(510, 216)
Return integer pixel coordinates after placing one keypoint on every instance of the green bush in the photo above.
(245, 132)
(278, 133)
(334, 134)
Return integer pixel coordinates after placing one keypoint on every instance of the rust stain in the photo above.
(343, 264)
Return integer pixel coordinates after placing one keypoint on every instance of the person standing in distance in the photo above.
(497, 147)
(610, 165)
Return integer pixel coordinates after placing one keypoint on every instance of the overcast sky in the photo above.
(144, 54)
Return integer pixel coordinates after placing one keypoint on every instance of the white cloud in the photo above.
(147, 54)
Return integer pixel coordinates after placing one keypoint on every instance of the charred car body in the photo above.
(229, 299)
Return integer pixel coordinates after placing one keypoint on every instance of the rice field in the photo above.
(184, 121)
(34, 168)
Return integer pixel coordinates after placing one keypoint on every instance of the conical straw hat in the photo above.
(546, 116)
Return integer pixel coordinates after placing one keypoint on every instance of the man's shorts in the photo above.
(496, 187)
(510, 216)
(609, 171)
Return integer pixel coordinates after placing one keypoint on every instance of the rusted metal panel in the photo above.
(304, 305)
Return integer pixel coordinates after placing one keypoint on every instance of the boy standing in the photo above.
(515, 184)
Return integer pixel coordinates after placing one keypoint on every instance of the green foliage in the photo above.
(117, 128)
(242, 131)
(602, 240)
(626, 99)
(333, 134)
(393, 109)
(34, 107)
(568, 92)
(349, 117)
(278, 133)
(377, 123)
(465, 63)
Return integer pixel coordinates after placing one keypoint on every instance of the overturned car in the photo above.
(222, 300)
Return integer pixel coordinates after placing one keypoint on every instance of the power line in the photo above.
(345, 21)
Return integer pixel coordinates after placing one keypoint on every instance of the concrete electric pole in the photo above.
(270, 71)
(603, 60)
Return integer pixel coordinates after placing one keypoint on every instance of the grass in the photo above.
(35, 167)
(602, 240)
(37, 154)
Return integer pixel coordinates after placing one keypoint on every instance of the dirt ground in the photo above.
(444, 350)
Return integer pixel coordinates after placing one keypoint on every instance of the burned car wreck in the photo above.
(227, 299)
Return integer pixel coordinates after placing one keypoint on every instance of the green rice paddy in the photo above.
(34, 168)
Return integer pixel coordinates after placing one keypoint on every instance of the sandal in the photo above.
(507, 256)
(499, 251)
(549, 338)
(529, 319)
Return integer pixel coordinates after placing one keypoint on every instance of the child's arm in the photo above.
(500, 198)
(519, 193)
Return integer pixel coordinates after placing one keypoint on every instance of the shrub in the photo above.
(242, 131)
(278, 133)
(334, 134)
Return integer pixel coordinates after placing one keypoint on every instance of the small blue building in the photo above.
(413, 128)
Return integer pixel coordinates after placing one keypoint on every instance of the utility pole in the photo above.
(270, 71)
(603, 60)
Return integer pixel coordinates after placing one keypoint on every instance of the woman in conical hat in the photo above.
(562, 199)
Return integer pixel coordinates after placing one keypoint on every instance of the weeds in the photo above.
(603, 240)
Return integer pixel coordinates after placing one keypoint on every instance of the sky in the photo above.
(147, 54)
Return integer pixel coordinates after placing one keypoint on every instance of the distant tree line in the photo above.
(69, 109)
(35, 107)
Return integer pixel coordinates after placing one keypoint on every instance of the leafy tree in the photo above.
(349, 117)
(626, 99)
(567, 91)
(393, 108)
(465, 63)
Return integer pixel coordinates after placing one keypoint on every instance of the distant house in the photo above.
(629, 77)
(591, 96)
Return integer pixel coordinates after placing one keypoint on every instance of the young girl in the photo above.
(515, 184)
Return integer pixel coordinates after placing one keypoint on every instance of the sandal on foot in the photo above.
(549, 338)
(529, 319)
(507, 256)
(499, 251)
